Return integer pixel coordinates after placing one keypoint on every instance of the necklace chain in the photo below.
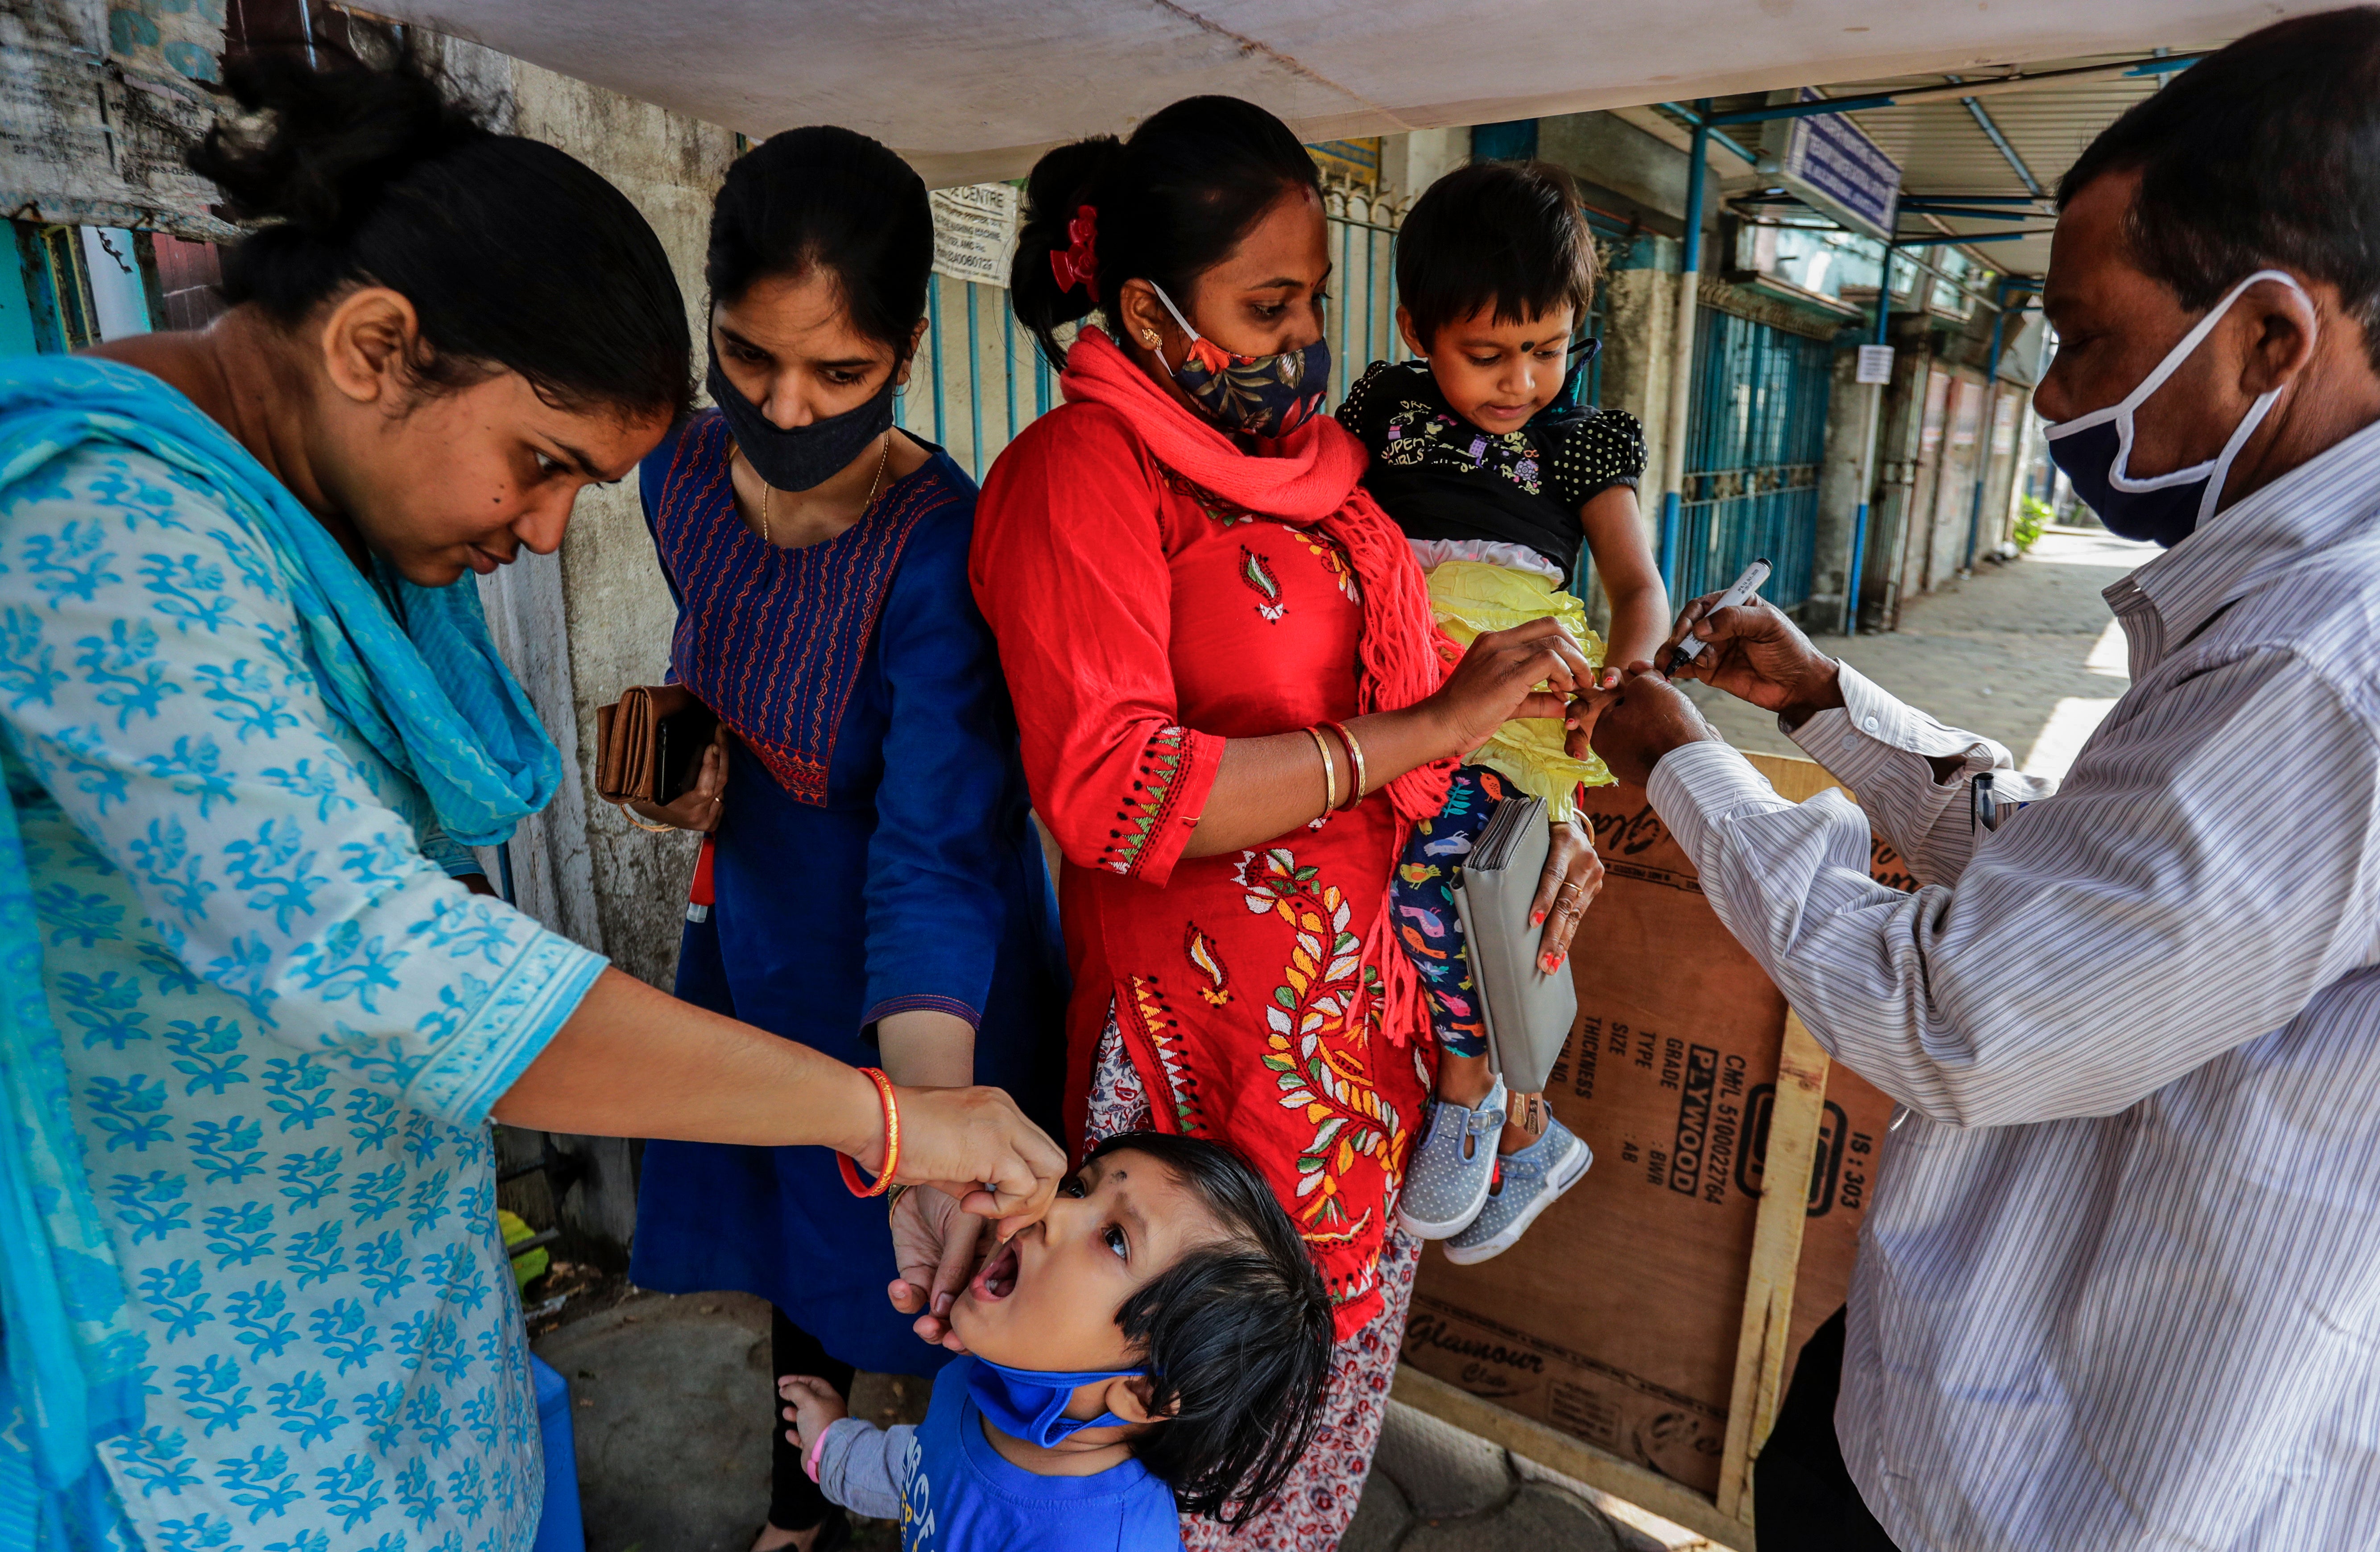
(874, 486)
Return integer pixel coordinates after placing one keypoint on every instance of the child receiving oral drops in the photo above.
(1157, 1346)
(1482, 453)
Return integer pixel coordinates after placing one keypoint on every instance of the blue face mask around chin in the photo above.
(2095, 450)
(1030, 1404)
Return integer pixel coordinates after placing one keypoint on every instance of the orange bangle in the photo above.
(892, 1142)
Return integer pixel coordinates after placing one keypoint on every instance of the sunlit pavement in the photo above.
(2025, 653)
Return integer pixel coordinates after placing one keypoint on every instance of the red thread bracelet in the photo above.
(892, 1142)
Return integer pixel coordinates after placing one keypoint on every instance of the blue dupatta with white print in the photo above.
(414, 671)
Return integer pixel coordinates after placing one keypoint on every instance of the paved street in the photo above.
(2025, 653)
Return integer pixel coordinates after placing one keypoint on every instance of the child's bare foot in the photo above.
(1525, 1118)
(775, 1538)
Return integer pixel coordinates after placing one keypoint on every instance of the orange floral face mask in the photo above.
(1260, 396)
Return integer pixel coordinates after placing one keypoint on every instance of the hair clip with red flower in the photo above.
(1079, 264)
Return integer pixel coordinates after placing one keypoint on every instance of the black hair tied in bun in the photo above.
(515, 256)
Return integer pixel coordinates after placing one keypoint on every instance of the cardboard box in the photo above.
(1616, 1318)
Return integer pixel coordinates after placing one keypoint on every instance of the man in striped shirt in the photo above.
(2119, 1285)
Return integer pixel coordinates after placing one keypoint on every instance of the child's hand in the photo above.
(1585, 710)
(814, 1405)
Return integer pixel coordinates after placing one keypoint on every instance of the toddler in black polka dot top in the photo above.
(1482, 455)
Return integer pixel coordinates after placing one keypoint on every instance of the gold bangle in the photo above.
(1330, 773)
(1354, 760)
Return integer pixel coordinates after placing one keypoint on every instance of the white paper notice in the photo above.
(975, 231)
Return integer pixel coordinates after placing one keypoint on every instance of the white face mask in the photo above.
(2095, 450)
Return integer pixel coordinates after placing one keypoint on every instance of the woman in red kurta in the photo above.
(1184, 577)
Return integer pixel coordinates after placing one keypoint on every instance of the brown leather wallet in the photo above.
(649, 744)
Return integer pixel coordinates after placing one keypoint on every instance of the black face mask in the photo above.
(806, 456)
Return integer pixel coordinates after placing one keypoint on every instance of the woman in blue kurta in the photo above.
(256, 1007)
(871, 885)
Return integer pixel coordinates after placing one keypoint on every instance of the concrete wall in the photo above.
(616, 607)
(1610, 155)
(1637, 355)
(580, 626)
(1412, 161)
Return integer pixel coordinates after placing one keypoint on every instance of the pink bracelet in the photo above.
(811, 1456)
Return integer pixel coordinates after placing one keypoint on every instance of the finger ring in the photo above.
(1571, 888)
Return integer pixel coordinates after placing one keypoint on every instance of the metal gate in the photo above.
(979, 378)
(1752, 451)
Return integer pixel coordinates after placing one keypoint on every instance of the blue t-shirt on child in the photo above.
(953, 1492)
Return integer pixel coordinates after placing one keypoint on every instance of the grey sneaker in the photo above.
(1451, 1171)
(1528, 1184)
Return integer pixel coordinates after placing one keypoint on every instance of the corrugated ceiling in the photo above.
(973, 88)
(1944, 151)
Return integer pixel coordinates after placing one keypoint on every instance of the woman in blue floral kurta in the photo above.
(255, 1004)
(284, 1024)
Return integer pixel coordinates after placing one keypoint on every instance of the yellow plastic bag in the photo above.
(1471, 597)
(526, 1269)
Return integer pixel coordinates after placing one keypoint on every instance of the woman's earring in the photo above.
(1148, 337)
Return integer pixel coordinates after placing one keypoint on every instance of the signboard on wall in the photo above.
(1830, 164)
(98, 105)
(1874, 364)
(975, 231)
(1356, 161)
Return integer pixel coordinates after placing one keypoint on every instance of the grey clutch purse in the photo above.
(1528, 1013)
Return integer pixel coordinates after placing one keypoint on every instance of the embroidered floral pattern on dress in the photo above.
(1418, 435)
(1333, 556)
(1156, 1019)
(1257, 575)
(1319, 1047)
(1154, 788)
(1221, 512)
(1203, 958)
(814, 609)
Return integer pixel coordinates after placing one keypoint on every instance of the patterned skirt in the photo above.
(1311, 1512)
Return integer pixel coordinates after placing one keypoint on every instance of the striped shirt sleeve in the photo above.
(2100, 945)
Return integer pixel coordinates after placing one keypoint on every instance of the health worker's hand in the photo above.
(976, 1146)
(1643, 719)
(1754, 653)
